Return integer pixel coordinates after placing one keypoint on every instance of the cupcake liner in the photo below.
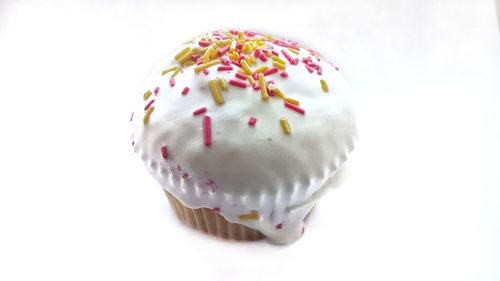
(213, 223)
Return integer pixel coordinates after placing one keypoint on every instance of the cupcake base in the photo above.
(213, 223)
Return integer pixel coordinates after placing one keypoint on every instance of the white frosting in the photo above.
(248, 168)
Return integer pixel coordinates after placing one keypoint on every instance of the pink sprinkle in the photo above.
(295, 61)
(295, 108)
(270, 71)
(255, 76)
(225, 61)
(242, 57)
(236, 63)
(279, 226)
(205, 71)
(200, 111)
(287, 56)
(204, 43)
(207, 130)
(239, 46)
(199, 61)
(252, 121)
(131, 117)
(270, 92)
(241, 76)
(172, 82)
(310, 69)
(195, 57)
(157, 89)
(256, 53)
(164, 152)
(223, 50)
(149, 104)
(284, 74)
(256, 87)
(185, 90)
(224, 68)
(274, 52)
(263, 57)
(238, 83)
(216, 210)
(320, 70)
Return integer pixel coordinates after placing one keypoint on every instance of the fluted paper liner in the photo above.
(213, 223)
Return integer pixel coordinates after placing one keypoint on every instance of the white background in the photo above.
(423, 199)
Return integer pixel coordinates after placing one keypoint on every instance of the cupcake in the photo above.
(244, 132)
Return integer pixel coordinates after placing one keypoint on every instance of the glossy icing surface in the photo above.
(254, 174)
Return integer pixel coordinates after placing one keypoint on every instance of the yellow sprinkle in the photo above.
(234, 56)
(268, 37)
(175, 73)
(148, 114)
(262, 69)
(222, 43)
(251, 60)
(245, 67)
(246, 49)
(279, 93)
(185, 58)
(198, 50)
(215, 92)
(189, 63)
(222, 83)
(206, 65)
(182, 53)
(251, 80)
(285, 126)
(277, 59)
(292, 101)
(263, 88)
(295, 51)
(169, 69)
(241, 35)
(233, 46)
(242, 71)
(208, 53)
(147, 94)
(279, 65)
(261, 43)
(253, 215)
(324, 86)
(215, 53)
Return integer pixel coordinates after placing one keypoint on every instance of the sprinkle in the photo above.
(279, 65)
(175, 73)
(279, 226)
(285, 126)
(279, 93)
(221, 43)
(233, 46)
(131, 117)
(294, 107)
(277, 59)
(148, 114)
(200, 111)
(222, 83)
(182, 53)
(263, 57)
(172, 82)
(295, 61)
(215, 92)
(225, 61)
(207, 130)
(253, 215)
(256, 87)
(251, 80)
(284, 74)
(251, 60)
(246, 49)
(245, 66)
(208, 53)
(295, 51)
(164, 152)
(205, 71)
(256, 53)
(270, 71)
(204, 43)
(156, 90)
(310, 69)
(292, 101)
(320, 70)
(223, 50)
(324, 86)
(234, 56)
(238, 83)
(147, 94)
(216, 210)
(236, 63)
(149, 104)
(252, 121)
(185, 91)
(206, 65)
(169, 69)
(240, 76)
(262, 69)
(263, 89)
(255, 75)
(287, 56)
(195, 57)
(274, 52)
